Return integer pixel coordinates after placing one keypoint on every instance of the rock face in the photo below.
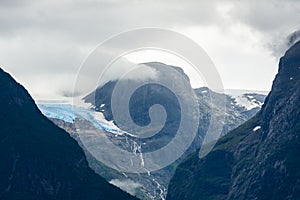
(258, 160)
(38, 159)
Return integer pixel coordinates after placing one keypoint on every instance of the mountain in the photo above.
(258, 160)
(40, 160)
(240, 106)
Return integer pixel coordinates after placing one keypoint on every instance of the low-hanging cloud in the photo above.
(126, 185)
(293, 38)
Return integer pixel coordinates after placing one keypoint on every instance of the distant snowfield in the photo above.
(245, 98)
(63, 109)
(66, 112)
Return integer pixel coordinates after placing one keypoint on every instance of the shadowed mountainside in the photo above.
(38, 159)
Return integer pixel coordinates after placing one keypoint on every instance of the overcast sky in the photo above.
(43, 43)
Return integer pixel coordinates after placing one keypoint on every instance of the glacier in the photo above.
(68, 113)
(60, 111)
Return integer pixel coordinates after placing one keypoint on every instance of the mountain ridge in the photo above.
(257, 160)
(40, 160)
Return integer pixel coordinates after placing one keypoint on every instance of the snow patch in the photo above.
(244, 98)
(245, 102)
(257, 128)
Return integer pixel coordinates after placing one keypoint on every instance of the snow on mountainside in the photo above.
(247, 98)
(67, 113)
(63, 110)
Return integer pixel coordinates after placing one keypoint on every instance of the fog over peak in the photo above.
(293, 38)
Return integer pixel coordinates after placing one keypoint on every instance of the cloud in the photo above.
(274, 20)
(45, 42)
(293, 38)
(126, 185)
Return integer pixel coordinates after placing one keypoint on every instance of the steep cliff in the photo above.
(258, 160)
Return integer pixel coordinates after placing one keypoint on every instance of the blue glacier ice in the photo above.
(68, 113)
(57, 111)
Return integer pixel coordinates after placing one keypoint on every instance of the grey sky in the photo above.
(43, 43)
